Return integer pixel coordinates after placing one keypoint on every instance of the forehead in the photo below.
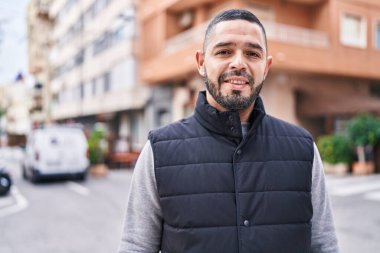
(236, 31)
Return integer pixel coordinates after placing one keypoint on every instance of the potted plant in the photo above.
(97, 146)
(336, 153)
(364, 132)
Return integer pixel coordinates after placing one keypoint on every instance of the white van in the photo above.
(56, 151)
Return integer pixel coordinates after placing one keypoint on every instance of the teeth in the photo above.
(236, 82)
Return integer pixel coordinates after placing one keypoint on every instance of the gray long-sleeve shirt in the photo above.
(143, 220)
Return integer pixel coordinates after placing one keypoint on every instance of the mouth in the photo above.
(237, 82)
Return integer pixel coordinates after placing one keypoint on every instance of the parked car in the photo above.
(5, 182)
(56, 151)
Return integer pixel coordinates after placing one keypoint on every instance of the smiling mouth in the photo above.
(237, 83)
(237, 80)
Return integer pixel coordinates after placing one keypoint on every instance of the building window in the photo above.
(163, 117)
(56, 98)
(137, 137)
(99, 83)
(101, 44)
(107, 82)
(353, 30)
(79, 58)
(377, 34)
(87, 90)
(76, 94)
(374, 89)
(94, 87)
(340, 124)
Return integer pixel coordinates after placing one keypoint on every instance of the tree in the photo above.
(364, 131)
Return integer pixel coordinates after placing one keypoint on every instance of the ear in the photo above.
(268, 64)
(200, 62)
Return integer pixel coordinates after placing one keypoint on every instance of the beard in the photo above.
(235, 101)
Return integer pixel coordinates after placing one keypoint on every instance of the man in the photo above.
(229, 178)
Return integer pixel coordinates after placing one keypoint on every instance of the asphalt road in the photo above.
(356, 207)
(64, 216)
(75, 217)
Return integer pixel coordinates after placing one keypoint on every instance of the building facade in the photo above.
(95, 68)
(40, 27)
(15, 107)
(326, 56)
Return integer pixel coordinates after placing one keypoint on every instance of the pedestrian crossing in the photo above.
(367, 187)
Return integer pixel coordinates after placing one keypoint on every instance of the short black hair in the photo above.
(233, 14)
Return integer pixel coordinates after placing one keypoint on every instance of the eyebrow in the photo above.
(255, 46)
(247, 44)
(224, 44)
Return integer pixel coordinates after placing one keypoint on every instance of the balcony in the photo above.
(275, 32)
(186, 38)
(295, 42)
(296, 35)
(180, 5)
(307, 2)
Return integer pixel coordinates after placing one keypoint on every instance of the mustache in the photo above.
(241, 73)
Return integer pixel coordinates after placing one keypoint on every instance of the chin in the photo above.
(239, 93)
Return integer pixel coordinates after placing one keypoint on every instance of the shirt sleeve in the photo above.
(143, 219)
(323, 236)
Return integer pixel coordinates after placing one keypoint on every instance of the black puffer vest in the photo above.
(220, 193)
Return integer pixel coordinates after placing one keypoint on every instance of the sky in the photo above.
(13, 39)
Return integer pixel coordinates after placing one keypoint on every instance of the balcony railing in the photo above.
(275, 32)
(188, 37)
(307, 2)
(296, 35)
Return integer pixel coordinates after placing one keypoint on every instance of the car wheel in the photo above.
(82, 176)
(34, 177)
(5, 184)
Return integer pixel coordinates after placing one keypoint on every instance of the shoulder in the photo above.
(279, 131)
(181, 129)
(277, 126)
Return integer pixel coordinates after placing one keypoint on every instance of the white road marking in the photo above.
(6, 201)
(20, 203)
(78, 188)
(354, 189)
(373, 196)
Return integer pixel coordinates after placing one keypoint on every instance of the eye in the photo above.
(253, 54)
(223, 52)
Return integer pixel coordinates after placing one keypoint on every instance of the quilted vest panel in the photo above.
(219, 195)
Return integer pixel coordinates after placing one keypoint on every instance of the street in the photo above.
(356, 207)
(63, 216)
(77, 217)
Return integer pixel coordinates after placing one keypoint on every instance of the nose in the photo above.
(238, 62)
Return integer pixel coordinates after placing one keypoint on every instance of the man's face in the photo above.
(234, 64)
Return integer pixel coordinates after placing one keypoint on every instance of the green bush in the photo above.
(364, 130)
(95, 146)
(335, 149)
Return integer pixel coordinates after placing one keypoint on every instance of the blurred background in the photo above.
(118, 68)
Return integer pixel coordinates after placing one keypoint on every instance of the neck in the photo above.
(244, 114)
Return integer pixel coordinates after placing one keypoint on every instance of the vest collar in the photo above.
(226, 123)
